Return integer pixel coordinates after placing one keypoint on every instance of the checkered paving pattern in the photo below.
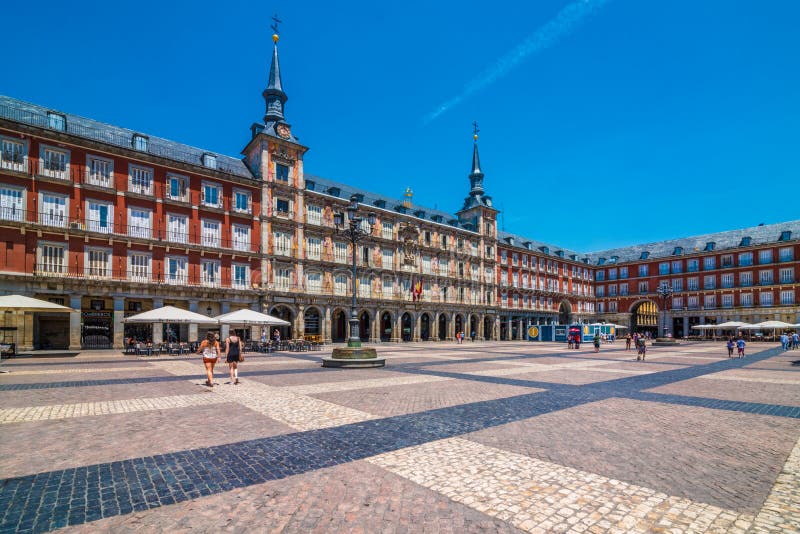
(444, 439)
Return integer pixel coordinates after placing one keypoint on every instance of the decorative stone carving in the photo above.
(409, 237)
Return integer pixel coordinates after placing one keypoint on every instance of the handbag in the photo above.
(241, 352)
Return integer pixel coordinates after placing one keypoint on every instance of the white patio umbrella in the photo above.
(28, 304)
(250, 317)
(767, 325)
(732, 324)
(170, 314)
(21, 303)
(704, 326)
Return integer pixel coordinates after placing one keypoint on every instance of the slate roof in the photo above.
(519, 241)
(36, 115)
(759, 235)
(330, 187)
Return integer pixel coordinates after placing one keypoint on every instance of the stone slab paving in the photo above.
(429, 444)
(539, 496)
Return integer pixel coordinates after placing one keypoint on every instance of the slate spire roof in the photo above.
(274, 96)
(476, 196)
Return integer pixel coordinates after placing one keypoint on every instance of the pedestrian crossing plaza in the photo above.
(472, 437)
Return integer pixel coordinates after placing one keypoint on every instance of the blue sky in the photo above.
(639, 122)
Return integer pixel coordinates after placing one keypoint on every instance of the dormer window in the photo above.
(437, 218)
(310, 185)
(56, 121)
(786, 235)
(573, 257)
(546, 250)
(678, 251)
(420, 214)
(139, 142)
(710, 246)
(334, 191)
(210, 161)
(745, 242)
(601, 261)
(510, 240)
(400, 208)
(560, 253)
(380, 203)
(359, 197)
(644, 255)
(614, 259)
(453, 222)
(527, 244)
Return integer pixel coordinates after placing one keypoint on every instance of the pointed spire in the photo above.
(274, 96)
(476, 176)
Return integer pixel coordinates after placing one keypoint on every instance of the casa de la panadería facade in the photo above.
(112, 222)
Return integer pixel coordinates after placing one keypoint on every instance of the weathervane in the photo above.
(475, 130)
(274, 27)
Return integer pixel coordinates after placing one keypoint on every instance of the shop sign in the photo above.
(97, 315)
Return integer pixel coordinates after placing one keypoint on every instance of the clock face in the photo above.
(283, 131)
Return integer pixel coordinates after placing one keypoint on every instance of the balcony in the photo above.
(103, 181)
(11, 214)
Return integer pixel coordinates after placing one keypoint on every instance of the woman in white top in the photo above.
(210, 350)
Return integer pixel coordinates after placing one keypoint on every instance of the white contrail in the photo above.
(565, 21)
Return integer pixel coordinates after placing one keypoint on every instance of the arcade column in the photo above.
(119, 326)
(75, 322)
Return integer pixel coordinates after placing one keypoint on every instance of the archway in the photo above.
(565, 312)
(406, 327)
(282, 312)
(339, 326)
(311, 324)
(488, 323)
(424, 327)
(459, 324)
(644, 317)
(473, 326)
(363, 326)
(386, 326)
(442, 327)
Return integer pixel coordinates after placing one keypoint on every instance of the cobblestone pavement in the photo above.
(479, 437)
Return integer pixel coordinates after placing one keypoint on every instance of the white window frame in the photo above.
(282, 243)
(140, 179)
(210, 273)
(143, 232)
(99, 171)
(766, 298)
(786, 275)
(12, 202)
(209, 237)
(47, 264)
(340, 252)
(313, 214)
(340, 283)
(204, 196)
(53, 219)
(95, 223)
(235, 282)
(787, 297)
(11, 158)
(746, 300)
(313, 247)
(183, 187)
(240, 237)
(387, 230)
(181, 275)
(283, 277)
(314, 281)
(47, 161)
(140, 273)
(786, 254)
(93, 271)
(765, 256)
(248, 196)
(173, 234)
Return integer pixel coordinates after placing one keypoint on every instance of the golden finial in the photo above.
(408, 194)
(475, 130)
(274, 27)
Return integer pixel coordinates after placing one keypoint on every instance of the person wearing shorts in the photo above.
(233, 350)
(740, 347)
(210, 350)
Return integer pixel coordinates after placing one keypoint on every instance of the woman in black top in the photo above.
(233, 348)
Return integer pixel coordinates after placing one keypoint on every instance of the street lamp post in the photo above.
(665, 292)
(354, 233)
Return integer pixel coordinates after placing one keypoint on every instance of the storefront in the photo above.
(97, 329)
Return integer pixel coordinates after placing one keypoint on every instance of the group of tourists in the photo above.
(211, 350)
(738, 344)
(790, 341)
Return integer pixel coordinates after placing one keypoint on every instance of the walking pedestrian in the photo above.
(627, 342)
(210, 350)
(233, 350)
(730, 347)
(472, 335)
(784, 341)
(795, 341)
(596, 342)
(740, 347)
